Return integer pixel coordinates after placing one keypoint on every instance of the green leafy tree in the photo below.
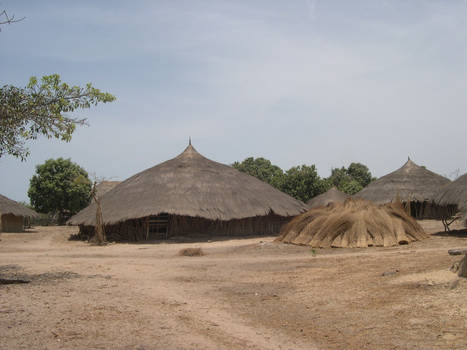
(60, 187)
(338, 177)
(42, 108)
(303, 182)
(262, 169)
(352, 179)
(360, 173)
(350, 187)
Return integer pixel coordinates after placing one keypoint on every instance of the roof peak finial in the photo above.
(189, 141)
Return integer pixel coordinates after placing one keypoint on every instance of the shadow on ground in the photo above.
(180, 239)
(452, 233)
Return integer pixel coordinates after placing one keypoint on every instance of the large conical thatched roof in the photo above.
(191, 185)
(9, 206)
(454, 193)
(354, 223)
(331, 196)
(412, 182)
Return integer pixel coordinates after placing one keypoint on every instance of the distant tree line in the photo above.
(303, 182)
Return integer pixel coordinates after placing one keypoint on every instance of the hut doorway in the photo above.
(423, 210)
(157, 227)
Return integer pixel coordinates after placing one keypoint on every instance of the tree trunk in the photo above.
(99, 233)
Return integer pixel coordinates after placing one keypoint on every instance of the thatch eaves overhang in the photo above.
(191, 185)
(9, 206)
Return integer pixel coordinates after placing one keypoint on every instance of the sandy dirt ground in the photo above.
(242, 294)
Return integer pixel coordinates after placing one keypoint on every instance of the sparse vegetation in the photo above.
(191, 252)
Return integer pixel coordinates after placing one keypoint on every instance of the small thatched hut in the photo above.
(351, 224)
(331, 196)
(412, 184)
(186, 195)
(13, 214)
(453, 197)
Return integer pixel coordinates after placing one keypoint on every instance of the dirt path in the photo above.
(243, 294)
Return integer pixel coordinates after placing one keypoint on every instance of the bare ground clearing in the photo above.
(242, 294)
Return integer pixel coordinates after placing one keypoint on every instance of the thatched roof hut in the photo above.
(105, 186)
(353, 223)
(411, 183)
(12, 215)
(331, 196)
(190, 194)
(453, 195)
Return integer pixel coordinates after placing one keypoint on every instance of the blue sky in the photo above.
(297, 82)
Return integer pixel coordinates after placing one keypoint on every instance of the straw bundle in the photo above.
(354, 223)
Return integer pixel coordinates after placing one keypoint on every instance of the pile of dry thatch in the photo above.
(354, 223)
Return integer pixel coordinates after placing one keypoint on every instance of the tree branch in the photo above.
(8, 19)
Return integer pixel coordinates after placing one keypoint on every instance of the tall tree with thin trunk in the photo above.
(99, 233)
